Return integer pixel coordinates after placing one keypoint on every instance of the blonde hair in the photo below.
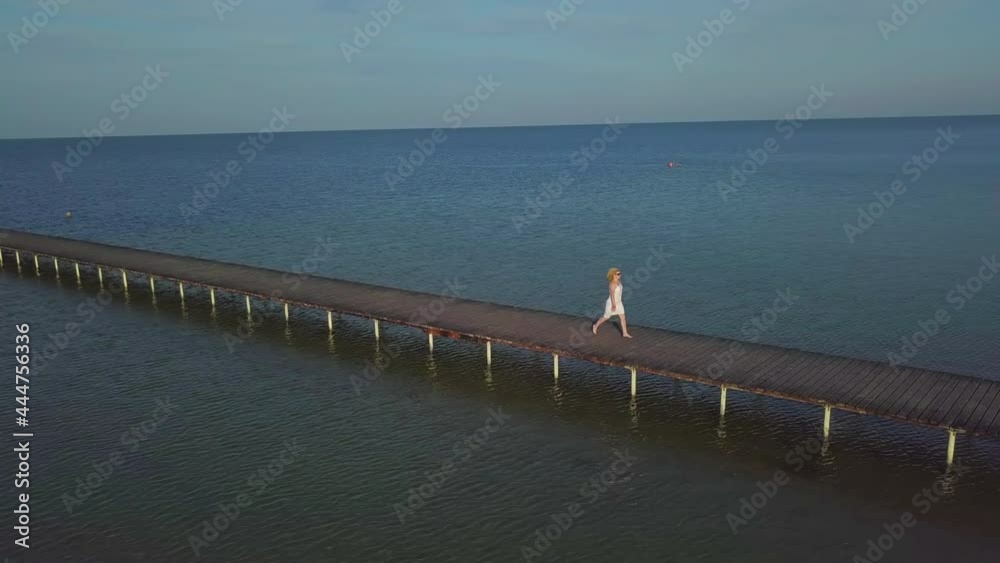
(611, 274)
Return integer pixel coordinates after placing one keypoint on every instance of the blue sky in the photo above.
(610, 57)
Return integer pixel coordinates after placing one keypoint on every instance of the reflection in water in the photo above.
(825, 455)
(720, 431)
(431, 366)
(556, 393)
(633, 409)
(949, 481)
(488, 377)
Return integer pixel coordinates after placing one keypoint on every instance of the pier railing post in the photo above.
(722, 401)
(180, 286)
(430, 341)
(17, 258)
(377, 336)
(633, 381)
(1, 258)
(36, 264)
(555, 365)
(827, 409)
(286, 312)
(124, 280)
(489, 353)
(55, 264)
(211, 292)
(76, 266)
(100, 276)
(152, 286)
(248, 304)
(329, 320)
(951, 445)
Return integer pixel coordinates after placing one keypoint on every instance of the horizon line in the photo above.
(853, 118)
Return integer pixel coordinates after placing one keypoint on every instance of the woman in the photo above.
(613, 306)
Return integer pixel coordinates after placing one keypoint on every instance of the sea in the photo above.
(169, 430)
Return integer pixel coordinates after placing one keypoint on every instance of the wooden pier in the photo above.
(954, 403)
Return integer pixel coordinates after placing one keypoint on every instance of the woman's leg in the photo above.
(624, 326)
(598, 324)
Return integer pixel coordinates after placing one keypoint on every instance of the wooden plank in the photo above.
(749, 357)
(993, 428)
(835, 371)
(845, 376)
(764, 368)
(795, 362)
(827, 390)
(756, 359)
(903, 388)
(769, 378)
(937, 414)
(887, 390)
(829, 371)
(940, 382)
(785, 378)
(963, 416)
(877, 383)
(702, 352)
(699, 354)
(983, 410)
(971, 392)
(911, 395)
(864, 379)
(663, 355)
(816, 372)
(765, 362)
(667, 349)
(674, 342)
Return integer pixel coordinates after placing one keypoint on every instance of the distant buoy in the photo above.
(69, 214)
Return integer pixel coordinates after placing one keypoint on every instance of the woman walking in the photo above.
(613, 306)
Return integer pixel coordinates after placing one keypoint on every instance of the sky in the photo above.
(225, 65)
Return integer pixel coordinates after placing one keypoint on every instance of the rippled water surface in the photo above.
(319, 201)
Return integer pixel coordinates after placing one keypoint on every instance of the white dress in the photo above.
(618, 298)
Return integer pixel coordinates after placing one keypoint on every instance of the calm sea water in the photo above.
(463, 218)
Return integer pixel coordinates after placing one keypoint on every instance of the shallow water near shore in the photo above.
(319, 202)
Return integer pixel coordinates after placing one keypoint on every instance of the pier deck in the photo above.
(957, 403)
